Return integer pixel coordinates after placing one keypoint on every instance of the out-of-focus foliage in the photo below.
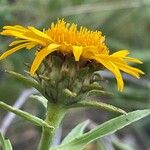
(125, 23)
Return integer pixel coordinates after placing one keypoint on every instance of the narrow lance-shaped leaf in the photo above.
(98, 92)
(99, 105)
(25, 80)
(104, 129)
(77, 131)
(5, 143)
(33, 119)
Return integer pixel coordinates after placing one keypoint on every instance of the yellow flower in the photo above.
(64, 37)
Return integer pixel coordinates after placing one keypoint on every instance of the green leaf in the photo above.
(99, 105)
(25, 80)
(5, 143)
(41, 99)
(76, 132)
(98, 92)
(104, 129)
(33, 119)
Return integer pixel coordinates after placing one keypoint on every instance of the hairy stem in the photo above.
(54, 116)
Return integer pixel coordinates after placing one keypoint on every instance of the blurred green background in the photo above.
(126, 25)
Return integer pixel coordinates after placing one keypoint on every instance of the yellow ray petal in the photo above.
(11, 51)
(41, 55)
(129, 69)
(20, 27)
(114, 69)
(135, 60)
(17, 42)
(12, 33)
(23, 33)
(23, 36)
(77, 51)
(31, 45)
(39, 33)
(121, 53)
(15, 28)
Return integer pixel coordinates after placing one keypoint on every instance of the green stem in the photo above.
(55, 114)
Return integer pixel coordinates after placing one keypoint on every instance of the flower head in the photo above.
(67, 39)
